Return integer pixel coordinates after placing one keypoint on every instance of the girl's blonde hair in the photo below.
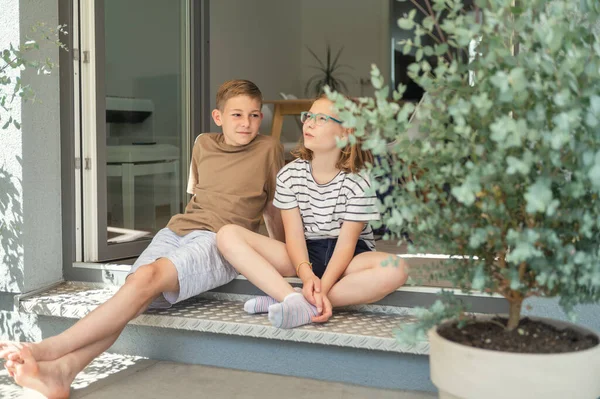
(352, 158)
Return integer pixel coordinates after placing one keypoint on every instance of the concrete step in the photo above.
(356, 346)
(363, 327)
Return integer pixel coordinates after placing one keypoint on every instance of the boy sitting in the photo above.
(232, 180)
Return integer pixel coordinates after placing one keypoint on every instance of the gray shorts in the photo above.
(200, 266)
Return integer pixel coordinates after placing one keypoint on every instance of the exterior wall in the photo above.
(30, 176)
(11, 172)
(42, 232)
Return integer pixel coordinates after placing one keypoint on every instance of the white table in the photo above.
(131, 161)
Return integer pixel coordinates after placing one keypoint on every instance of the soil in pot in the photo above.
(531, 336)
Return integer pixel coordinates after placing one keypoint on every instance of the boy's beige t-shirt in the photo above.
(229, 185)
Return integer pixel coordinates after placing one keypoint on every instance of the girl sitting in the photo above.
(329, 242)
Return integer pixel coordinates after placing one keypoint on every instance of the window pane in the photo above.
(145, 53)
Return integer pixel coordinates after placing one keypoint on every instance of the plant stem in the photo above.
(417, 5)
(434, 37)
(8, 64)
(437, 25)
(514, 312)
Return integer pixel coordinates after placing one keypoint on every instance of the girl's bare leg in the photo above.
(264, 262)
(260, 259)
(366, 280)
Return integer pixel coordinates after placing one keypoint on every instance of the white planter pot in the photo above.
(462, 372)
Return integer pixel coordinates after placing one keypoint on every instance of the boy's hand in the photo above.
(327, 310)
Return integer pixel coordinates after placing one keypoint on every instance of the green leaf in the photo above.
(406, 23)
(419, 54)
(554, 40)
(516, 165)
(595, 104)
(414, 68)
(428, 23)
(500, 80)
(517, 79)
(516, 10)
(466, 192)
(594, 172)
(538, 196)
(592, 118)
(479, 279)
(441, 49)
(407, 47)
(478, 237)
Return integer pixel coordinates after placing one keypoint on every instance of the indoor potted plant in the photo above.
(506, 176)
(329, 73)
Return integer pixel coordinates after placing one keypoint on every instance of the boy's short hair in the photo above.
(237, 87)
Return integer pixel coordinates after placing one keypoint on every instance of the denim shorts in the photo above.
(321, 251)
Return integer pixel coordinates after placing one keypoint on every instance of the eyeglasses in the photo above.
(320, 119)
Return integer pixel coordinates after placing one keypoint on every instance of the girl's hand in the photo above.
(311, 285)
(327, 310)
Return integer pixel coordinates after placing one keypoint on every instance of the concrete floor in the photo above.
(115, 376)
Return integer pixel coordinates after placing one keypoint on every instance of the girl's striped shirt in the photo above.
(325, 207)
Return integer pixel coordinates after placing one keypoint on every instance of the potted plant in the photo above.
(329, 73)
(506, 177)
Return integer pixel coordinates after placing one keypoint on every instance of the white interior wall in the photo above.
(265, 41)
(362, 27)
(258, 41)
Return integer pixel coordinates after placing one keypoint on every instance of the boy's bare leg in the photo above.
(366, 280)
(53, 378)
(260, 259)
(139, 290)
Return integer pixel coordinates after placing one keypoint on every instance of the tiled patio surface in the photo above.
(115, 376)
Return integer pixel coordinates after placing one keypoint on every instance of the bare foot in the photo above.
(10, 347)
(51, 379)
(10, 369)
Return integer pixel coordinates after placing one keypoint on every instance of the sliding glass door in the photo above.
(136, 121)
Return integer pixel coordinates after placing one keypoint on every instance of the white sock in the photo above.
(294, 311)
(261, 303)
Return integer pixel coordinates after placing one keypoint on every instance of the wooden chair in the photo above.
(282, 108)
